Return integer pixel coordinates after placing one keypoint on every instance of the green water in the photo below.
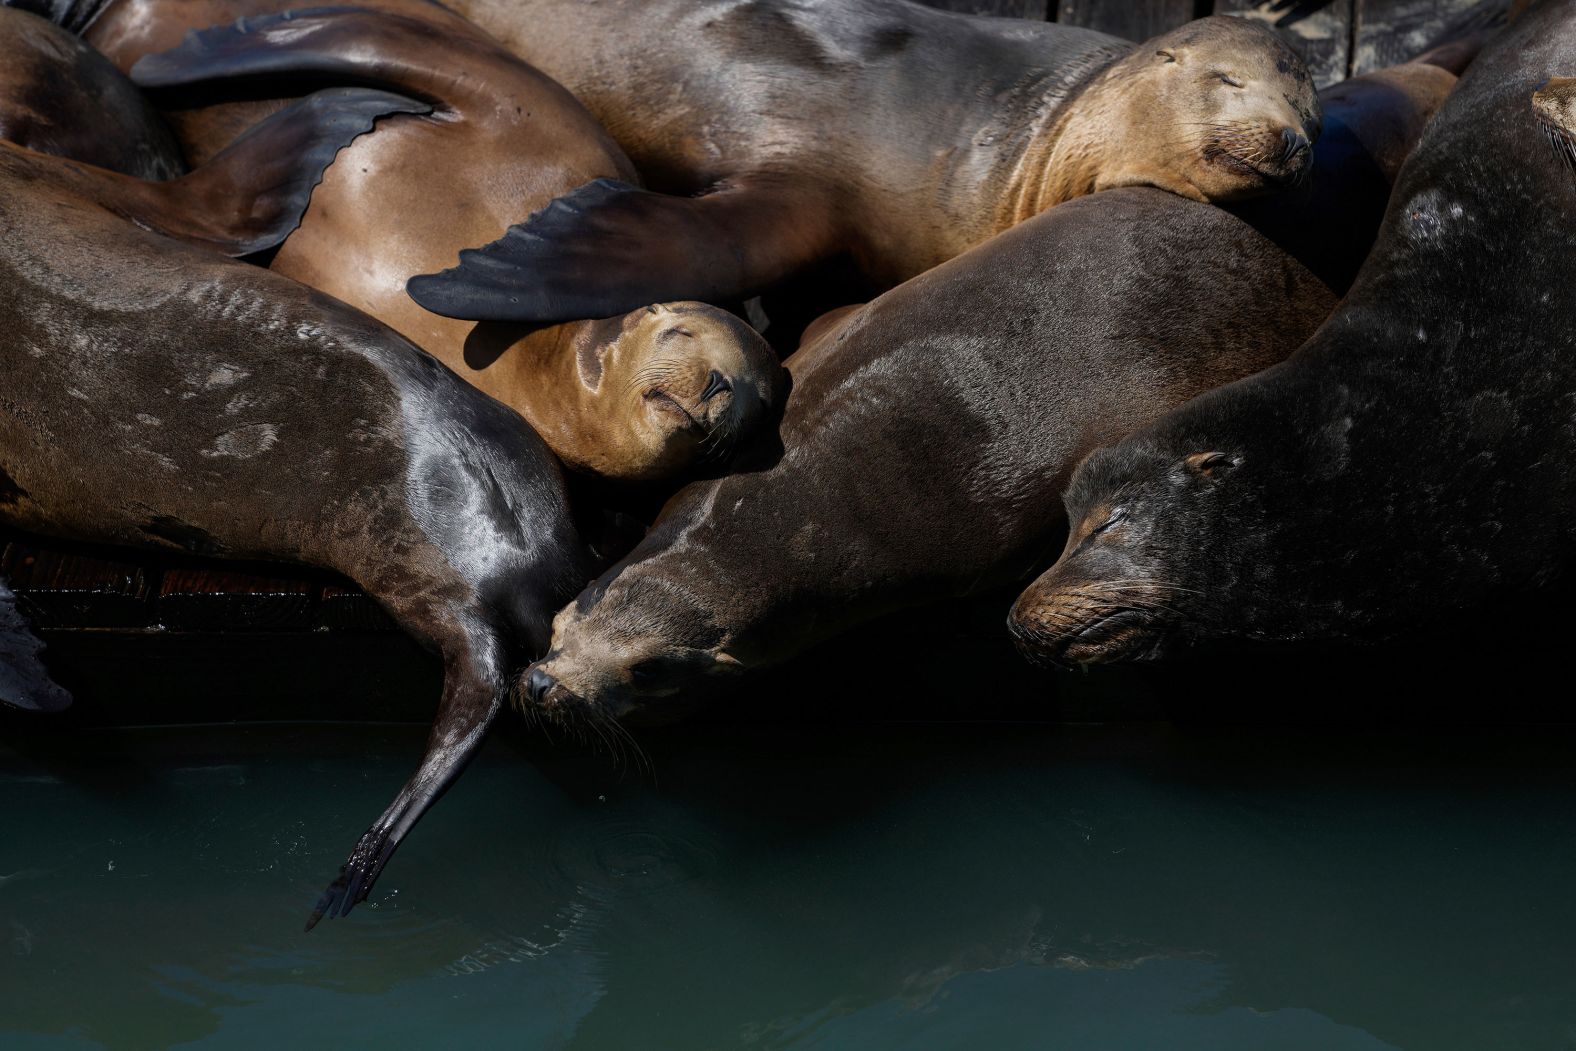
(811, 887)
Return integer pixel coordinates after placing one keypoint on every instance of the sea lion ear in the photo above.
(1210, 464)
(1167, 56)
(1555, 106)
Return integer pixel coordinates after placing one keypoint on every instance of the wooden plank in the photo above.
(1391, 31)
(1035, 9)
(58, 589)
(1319, 30)
(1128, 19)
(205, 599)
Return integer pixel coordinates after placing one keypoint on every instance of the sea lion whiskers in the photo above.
(1048, 625)
(592, 726)
(1560, 143)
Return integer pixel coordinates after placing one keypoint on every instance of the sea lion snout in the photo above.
(1093, 622)
(706, 379)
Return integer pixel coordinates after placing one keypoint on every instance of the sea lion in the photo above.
(24, 681)
(642, 397)
(159, 395)
(58, 95)
(1371, 123)
(1081, 321)
(898, 133)
(1410, 464)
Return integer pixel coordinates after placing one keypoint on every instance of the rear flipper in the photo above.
(24, 683)
(252, 195)
(607, 248)
(464, 716)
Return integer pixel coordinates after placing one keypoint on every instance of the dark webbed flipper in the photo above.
(464, 716)
(345, 43)
(607, 248)
(252, 195)
(24, 682)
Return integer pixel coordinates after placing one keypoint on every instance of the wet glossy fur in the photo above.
(621, 398)
(1413, 461)
(58, 95)
(158, 395)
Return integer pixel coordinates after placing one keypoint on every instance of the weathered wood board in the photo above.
(1320, 30)
(1337, 38)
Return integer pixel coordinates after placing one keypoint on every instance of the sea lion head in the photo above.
(1147, 554)
(1219, 109)
(641, 639)
(1554, 104)
(675, 384)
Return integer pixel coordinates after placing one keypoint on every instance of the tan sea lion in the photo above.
(894, 132)
(635, 398)
(158, 395)
(58, 95)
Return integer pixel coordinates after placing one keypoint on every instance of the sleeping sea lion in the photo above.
(1081, 321)
(892, 131)
(1410, 464)
(641, 397)
(159, 395)
(58, 95)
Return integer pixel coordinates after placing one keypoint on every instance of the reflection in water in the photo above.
(860, 886)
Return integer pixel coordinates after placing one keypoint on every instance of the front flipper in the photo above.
(252, 195)
(607, 248)
(24, 682)
(464, 716)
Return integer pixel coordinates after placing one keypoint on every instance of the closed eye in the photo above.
(1229, 80)
(1118, 515)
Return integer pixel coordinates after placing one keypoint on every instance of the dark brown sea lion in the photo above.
(1410, 465)
(641, 397)
(158, 395)
(1371, 123)
(58, 95)
(895, 132)
(1081, 321)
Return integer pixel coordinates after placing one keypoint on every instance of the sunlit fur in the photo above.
(1217, 110)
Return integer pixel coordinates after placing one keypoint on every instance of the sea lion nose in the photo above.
(717, 383)
(537, 683)
(1293, 145)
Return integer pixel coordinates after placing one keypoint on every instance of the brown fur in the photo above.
(506, 141)
(962, 127)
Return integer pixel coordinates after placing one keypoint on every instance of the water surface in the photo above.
(882, 886)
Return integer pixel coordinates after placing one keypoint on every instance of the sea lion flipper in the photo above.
(252, 194)
(24, 682)
(373, 47)
(607, 248)
(464, 715)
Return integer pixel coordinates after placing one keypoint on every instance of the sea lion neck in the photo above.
(1053, 137)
